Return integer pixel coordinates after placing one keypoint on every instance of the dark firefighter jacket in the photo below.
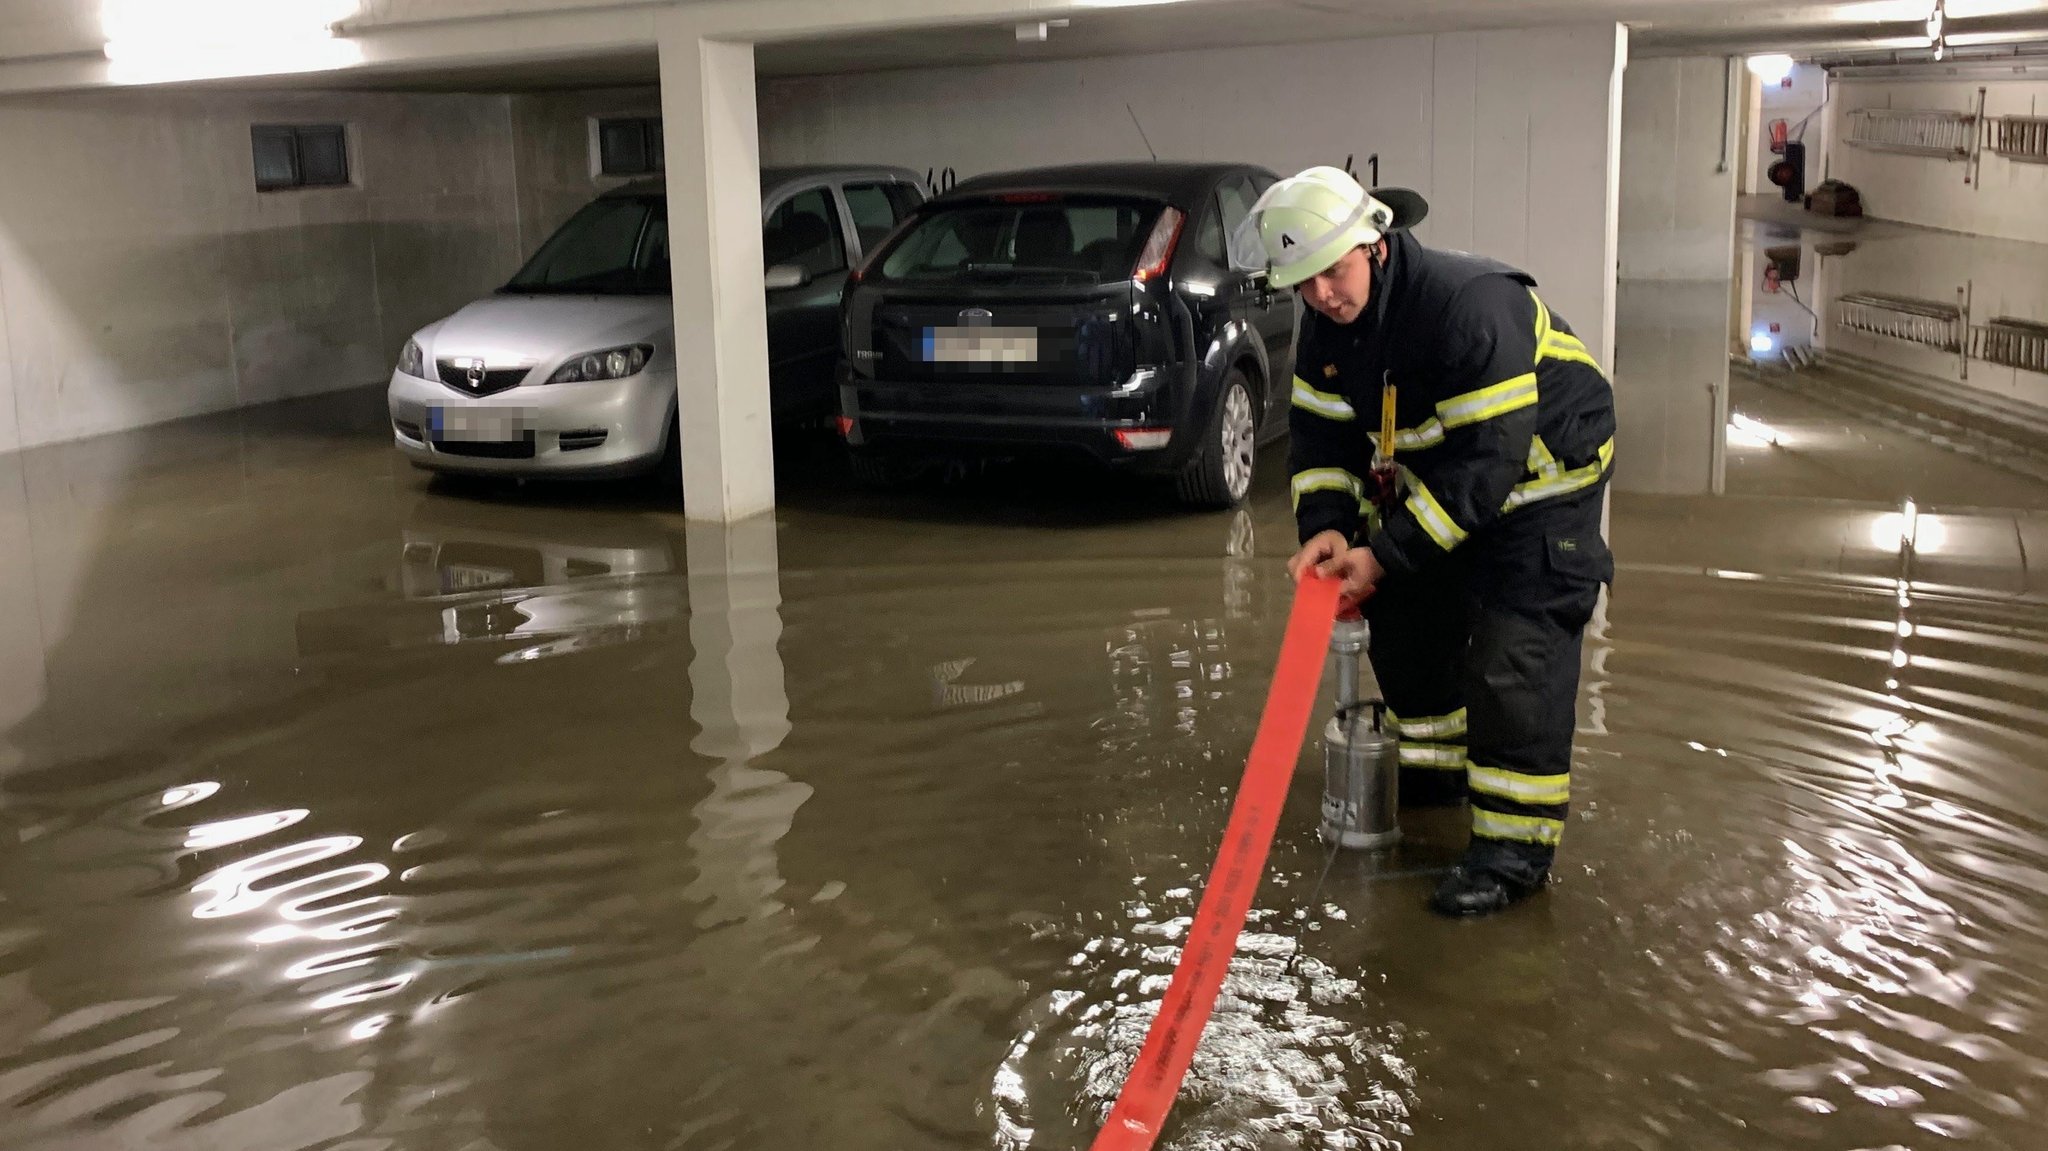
(1498, 405)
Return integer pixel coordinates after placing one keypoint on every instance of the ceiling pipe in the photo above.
(1977, 62)
(1877, 36)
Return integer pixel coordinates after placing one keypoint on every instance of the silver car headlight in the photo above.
(611, 364)
(412, 361)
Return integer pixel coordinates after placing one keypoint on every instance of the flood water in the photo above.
(343, 810)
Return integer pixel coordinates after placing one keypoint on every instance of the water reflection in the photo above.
(741, 705)
(477, 577)
(881, 827)
(1826, 312)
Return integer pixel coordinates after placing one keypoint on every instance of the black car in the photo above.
(1080, 311)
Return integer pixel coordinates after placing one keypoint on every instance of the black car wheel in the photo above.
(1220, 474)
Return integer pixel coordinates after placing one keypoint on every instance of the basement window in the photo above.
(630, 146)
(300, 156)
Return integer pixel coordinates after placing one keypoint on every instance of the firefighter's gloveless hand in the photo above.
(1329, 554)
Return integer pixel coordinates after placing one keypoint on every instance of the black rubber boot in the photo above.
(1489, 879)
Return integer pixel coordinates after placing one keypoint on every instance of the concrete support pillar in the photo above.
(1753, 181)
(1677, 243)
(1610, 227)
(714, 213)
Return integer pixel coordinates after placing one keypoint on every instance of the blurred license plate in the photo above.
(980, 345)
(478, 425)
(470, 577)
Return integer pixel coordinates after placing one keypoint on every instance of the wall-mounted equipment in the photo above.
(2005, 340)
(1914, 132)
(1935, 133)
(1927, 322)
(2021, 344)
(2022, 139)
(1789, 174)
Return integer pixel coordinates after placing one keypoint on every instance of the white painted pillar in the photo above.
(714, 213)
(1610, 225)
(1753, 142)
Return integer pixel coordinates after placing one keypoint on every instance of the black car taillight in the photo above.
(1159, 246)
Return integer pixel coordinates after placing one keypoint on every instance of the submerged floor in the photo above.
(340, 809)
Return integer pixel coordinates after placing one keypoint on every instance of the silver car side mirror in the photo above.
(783, 277)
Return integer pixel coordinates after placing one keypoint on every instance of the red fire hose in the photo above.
(1147, 1095)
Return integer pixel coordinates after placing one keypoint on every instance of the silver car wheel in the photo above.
(1240, 435)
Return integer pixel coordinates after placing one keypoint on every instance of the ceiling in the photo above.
(1657, 27)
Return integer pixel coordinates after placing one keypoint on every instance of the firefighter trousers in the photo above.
(1477, 657)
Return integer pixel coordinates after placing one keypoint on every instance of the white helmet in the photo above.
(1306, 223)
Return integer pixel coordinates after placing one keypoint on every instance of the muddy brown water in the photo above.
(340, 810)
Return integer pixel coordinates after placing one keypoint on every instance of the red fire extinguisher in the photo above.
(1779, 132)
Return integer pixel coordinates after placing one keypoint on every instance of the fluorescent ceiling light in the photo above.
(1771, 69)
(152, 41)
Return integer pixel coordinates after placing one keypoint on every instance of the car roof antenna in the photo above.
(1141, 131)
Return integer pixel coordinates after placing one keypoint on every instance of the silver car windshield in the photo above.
(613, 247)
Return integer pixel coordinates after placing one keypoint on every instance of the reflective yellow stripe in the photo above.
(1434, 727)
(1444, 755)
(1565, 342)
(1559, 346)
(1553, 481)
(1327, 480)
(1434, 519)
(1540, 459)
(1488, 402)
(1556, 345)
(1537, 789)
(1427, 435)
(1518, 828)
(1329, 405)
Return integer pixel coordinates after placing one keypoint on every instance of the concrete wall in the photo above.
(1508, 133)
(556, 161)
(2009, 201)
(175, 287)
(1677, 181)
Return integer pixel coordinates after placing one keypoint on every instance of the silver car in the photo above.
(570, 369)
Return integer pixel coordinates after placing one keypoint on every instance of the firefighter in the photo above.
(1452, 442)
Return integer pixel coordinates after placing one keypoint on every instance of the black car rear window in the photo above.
(1091, 238)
